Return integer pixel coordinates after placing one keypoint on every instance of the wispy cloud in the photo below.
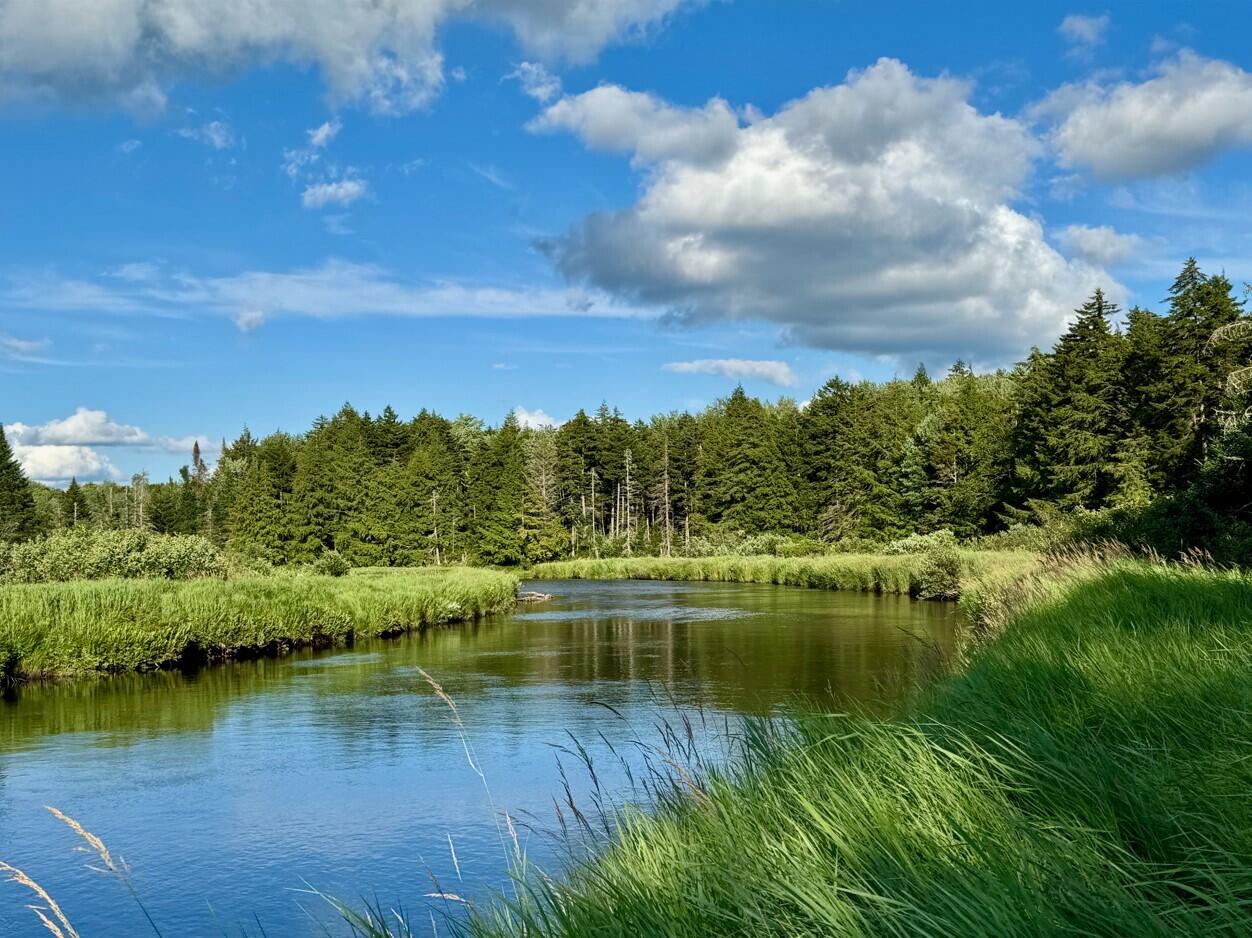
(342, 192)
(335, 289)
(536, 81)
(22, 348)
(218, 134)
(775, 372)
(493, 176)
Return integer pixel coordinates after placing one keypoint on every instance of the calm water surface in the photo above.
(229, 790)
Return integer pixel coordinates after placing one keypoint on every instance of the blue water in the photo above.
(235, 792)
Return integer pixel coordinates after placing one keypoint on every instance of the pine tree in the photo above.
(17, 503)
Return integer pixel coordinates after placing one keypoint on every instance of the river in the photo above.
(232, 791)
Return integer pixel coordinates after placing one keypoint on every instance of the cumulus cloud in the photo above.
(218, 135)
(84, 426)
(334, 289)
(612, 118)
(381, 52)
(534, 419)
(340, 192)
(69, 447)
(1083, 32)
(1191, 110)
(776, 372)
(1100, 245)
(873, 216)
(536, 81)
(55, 464)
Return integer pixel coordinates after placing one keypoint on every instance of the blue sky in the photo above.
(215, 213)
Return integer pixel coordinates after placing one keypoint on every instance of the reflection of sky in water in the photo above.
(641, 612)
(234, 786)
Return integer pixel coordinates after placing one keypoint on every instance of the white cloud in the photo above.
(320, 136)
(383, 53)
(612, 118)
(341, 192)
(1084, 32)
(218, 135)
(534, 419)
(873, 216)
(249, 319)
(1099, 245)
(776, 372)
(85, 427)
(1190, 111)
(335, 289)
(493, 176)
(69, 447)
(22, 348)
(55, 464)
(129, 146)
(536, 81)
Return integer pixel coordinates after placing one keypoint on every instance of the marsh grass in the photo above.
(922, 574)
(68, 629)
(1087, 774)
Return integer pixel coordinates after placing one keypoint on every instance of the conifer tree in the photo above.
(744, 481)
(498, 496)
(257, 525)
(17, 503)
(74, 507)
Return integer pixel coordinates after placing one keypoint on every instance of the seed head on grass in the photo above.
(65, 929)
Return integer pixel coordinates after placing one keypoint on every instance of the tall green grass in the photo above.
(1089, 773)
(918, 574)
(64, 629)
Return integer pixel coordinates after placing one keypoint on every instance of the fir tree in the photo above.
(74, 507)
(17, 503)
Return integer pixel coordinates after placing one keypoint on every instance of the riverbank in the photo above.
(1087, 773)
(919, 575)
(54, 630)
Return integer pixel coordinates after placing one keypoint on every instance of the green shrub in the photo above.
(95, 554)
(331, 563)
(939, 576)
(942, 539)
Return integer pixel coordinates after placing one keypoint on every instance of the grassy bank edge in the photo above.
(66, 630)
(917, 575)
(1085, 773)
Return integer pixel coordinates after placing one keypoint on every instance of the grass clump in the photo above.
(933, 572)
(1087, 774)
(65, 629)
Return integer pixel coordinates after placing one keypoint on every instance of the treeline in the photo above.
(1132, 425)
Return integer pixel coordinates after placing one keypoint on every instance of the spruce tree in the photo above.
(74, 507)
(17, 503)
(257, 525)
(744, 481)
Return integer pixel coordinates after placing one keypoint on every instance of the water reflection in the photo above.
(230, 785)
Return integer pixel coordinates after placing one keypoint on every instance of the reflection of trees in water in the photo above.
(827, 648)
